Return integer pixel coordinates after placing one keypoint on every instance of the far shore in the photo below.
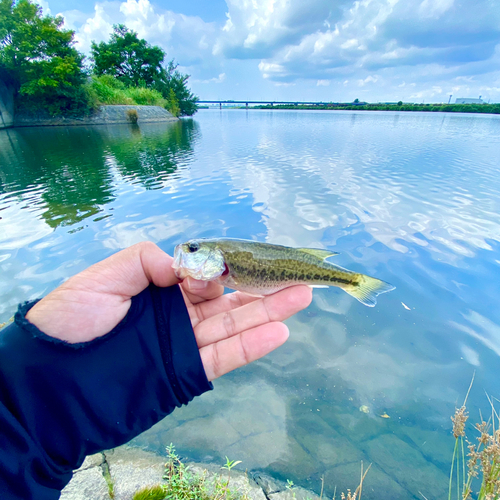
(446, 108)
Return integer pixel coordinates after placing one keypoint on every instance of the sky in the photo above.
(312, 50)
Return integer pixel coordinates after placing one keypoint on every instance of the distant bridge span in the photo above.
(272, 103)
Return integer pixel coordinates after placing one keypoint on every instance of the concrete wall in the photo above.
(6, 106)
(107, 115)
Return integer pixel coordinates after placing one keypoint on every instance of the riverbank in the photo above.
(118, 474)
(448, 108)
(106, 115)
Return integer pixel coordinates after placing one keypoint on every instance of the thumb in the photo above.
(130, 271)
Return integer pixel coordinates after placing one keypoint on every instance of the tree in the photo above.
(128, 58)
(38, 59)
(137, 63)
(173, 80)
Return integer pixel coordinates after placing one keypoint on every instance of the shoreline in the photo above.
(480, 109)
(105, 115)
(126, 470)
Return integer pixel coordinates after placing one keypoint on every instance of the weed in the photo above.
(109, 480)
(484, 455)
(132, 116)
(150, 493)
(181, 484)
(357, 492)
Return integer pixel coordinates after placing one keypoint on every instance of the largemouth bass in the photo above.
(263, 269)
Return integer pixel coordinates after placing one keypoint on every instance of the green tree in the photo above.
(173, 80)
(131, 60)
(38, 59)
(135, 62)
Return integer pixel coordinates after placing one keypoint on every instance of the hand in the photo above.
(231, 330)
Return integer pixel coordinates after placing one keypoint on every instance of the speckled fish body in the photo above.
(263, 269)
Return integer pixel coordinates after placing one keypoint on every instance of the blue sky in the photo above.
(321, 50)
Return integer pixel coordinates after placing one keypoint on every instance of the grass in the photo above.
(482, 462)
(108, 90)
(182, 484)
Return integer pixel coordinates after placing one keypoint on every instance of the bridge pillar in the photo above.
(220, 105)
(246, 105)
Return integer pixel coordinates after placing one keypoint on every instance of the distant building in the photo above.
(468, 100)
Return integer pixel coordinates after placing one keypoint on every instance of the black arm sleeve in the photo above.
(60, 402)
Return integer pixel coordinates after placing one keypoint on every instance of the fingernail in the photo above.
(197, 285)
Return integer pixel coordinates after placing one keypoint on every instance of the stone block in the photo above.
(407, 466)
(132, 469)
(86, 484)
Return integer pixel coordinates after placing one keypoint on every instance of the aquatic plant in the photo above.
(483, 462)
(132, 116)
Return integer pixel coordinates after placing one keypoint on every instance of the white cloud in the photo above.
(323, 83)
(434, 44)
(187, 38)
(219, 79)
(368, 79)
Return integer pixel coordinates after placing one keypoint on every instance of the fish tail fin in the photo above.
(368, 289)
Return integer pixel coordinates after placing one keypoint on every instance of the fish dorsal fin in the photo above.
(318, 252)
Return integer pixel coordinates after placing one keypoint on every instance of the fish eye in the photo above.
(193, 246)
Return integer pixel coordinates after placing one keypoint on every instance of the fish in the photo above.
(263, 269)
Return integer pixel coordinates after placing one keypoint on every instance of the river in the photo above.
(411, 198)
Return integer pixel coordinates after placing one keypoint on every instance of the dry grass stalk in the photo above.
(483, 456)
(357, 494)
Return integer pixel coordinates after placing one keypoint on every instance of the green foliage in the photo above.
(181, 484)
(131, 60)
(173, 103)
(173, 79)
(136, 63)
(452, 108)
(37, 57)
(150, 493)
(132, 116)
(108, 90)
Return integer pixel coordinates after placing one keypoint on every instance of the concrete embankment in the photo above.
(118, 474)
(6, 106)
(106, 115)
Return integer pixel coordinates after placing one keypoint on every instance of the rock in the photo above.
(268, 484)
(295, 493)
(132, 469)
(87, 484)
(407, 466)
(377, 484)
(239, 481)
(92, 461)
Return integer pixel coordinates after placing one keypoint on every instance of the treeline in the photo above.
(39, 63)
(453, 108)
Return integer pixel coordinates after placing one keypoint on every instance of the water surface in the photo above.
(410, 198)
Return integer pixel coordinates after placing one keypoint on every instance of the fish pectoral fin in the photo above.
(318, 252)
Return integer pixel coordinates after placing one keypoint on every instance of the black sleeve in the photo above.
(60, 402)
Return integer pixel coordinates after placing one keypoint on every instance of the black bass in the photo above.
(263, 269)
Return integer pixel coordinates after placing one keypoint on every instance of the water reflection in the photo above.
(77, 167)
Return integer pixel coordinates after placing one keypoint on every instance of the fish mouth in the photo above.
(181, 267)
(177, 265)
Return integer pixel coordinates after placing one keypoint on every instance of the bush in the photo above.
(108, 90)
(132, 116)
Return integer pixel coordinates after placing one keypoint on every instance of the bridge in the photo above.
(272, 103)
